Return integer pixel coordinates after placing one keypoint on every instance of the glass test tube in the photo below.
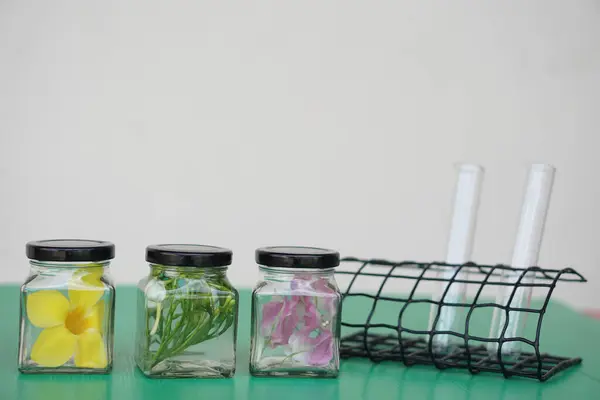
(525, 255)
(460, 245)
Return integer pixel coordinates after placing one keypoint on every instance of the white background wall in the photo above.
(321, 123)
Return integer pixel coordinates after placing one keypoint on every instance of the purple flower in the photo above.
(300, 283)
(328, 296)
(279, 320)
(321, 286)
(303, 320)
(312, 319)
(322, 352)
(316, 350)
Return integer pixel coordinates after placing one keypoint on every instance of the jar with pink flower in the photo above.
(296, 310)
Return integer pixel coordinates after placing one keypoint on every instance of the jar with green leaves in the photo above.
(187, 313)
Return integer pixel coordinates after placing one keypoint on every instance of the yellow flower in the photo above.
(71, 326)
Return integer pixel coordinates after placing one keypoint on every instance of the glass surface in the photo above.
(451, 317)
(295, 323)
(67, 314)
(187, 323)
(517, 322)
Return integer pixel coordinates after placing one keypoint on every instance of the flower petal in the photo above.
(312, 318)
(322, 286)
(53, 347)
(95, 319)
(327, 296)
(86, 288)
(300, 282)
(282, 332)
(47, 308)
(286, 323)
(270, 311)
(322, 350)
(298, 347)
(156, 291)
(90, 352)
(94, 270)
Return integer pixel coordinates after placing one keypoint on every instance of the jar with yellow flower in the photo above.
(67, 308)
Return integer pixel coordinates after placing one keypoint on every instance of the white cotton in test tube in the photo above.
(460, 247)
(525, 255)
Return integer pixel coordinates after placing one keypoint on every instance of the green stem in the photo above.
(290, 356)
(156, 319)
(202, 318)
(169, 321)
(187, 342)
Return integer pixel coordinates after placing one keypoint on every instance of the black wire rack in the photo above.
(395, 341)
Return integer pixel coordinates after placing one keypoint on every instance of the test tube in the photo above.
(460, 246)
(525, 255)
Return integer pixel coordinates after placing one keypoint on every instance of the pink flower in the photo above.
(300, 283)
(279, 320)
(322, 352)
(299, 315)
(321, 286)
(328, 295)
(270, 312)
(312, 319)
(312, 350)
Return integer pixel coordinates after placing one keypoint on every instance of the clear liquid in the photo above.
(295, 330)
(56, 281)
(175, 340)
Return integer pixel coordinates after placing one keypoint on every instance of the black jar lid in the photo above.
(70, 250)
(188, 255)
(297, 257)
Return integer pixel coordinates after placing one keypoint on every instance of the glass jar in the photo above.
(67, 308)
(187, 313)
(296, 312)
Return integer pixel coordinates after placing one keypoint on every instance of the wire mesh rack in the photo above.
(395, 340)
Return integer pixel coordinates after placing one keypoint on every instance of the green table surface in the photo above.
(565, 333)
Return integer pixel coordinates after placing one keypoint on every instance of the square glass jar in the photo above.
(296, 312)
(67, 308)
(187, 313)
